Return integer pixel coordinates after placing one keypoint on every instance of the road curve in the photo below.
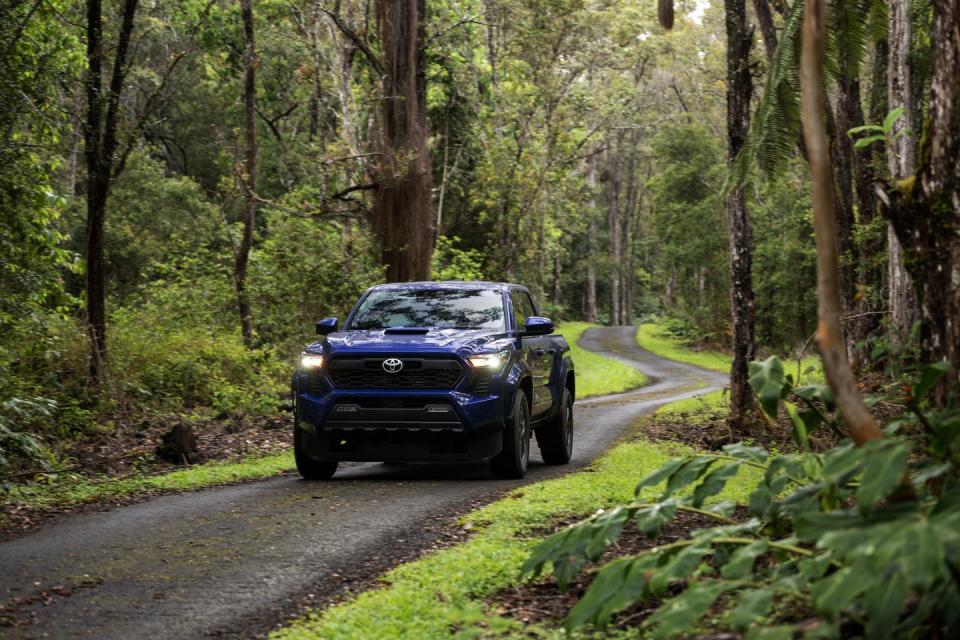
(220, 562)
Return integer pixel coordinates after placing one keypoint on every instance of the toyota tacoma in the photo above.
(435, 372)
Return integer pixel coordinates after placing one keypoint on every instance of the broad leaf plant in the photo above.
(853, 540)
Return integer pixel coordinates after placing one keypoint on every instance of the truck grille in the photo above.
(417, 373)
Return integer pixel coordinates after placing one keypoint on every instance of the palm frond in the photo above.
(775, 126)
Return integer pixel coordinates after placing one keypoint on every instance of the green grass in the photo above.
(597, 375)
(442, 594)
(78, 490)
(698, 409)
(650, 336)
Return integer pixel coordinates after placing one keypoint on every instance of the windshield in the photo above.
(440, 308)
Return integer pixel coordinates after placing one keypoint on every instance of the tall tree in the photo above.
(900, 157)
(403, 214)
(924, 209)
(249, 177)
(739, 89)
(100, 135)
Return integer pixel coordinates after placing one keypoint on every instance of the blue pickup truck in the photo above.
(435, 372)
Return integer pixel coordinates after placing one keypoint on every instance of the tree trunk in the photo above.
(591, 303)
(900, 159)
(767, 27)
(249, 170)
(100, 145)
(925, 211)
(858, 419)
(403, 216)
(613, 228)
(739, 89)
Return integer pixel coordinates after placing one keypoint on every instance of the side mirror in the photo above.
(325, 326)
(537, 326)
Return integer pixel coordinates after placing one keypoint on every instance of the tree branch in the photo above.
(859, 421)
(359, 42)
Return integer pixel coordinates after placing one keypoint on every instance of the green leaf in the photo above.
(866, 127)
(687, 473)
(885, 462)
(800, 432)
(779, 632)
(569, 550)
(812, 392)
(651, 518)
(814, 568)
(714, 482)
(680, 613)
(891, 119)
(832, 594)
(678, 566)
(618, 585)
(740, 564)
(883, 603)
(931, 375)
(753, 607)
(767, 381)
(869, 140)
(760, 499)
(746, 453)
(660, 474)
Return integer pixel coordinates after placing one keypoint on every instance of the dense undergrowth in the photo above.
(848, 542)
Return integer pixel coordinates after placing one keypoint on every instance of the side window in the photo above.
(531, 308)
(519, 310)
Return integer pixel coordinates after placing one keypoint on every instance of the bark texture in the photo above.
(403, 217)
(100, 147)
(739, 89)
(858, 419)
(900, 159)
(249, 171)
(925, 209)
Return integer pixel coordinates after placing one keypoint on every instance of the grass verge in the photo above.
(597, 375)
(79, 490)
(443, 594)
(650, 336)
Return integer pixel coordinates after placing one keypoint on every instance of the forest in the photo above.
(187, 186)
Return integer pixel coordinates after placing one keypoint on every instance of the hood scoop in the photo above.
(406, 331)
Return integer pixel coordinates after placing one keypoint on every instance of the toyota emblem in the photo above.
(392, 365)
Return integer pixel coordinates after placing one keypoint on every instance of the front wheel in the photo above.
(512, 461)
(309, 468)
(555, 438)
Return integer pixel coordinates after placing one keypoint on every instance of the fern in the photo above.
(776, 123)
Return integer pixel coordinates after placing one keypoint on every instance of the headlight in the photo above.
(311, 362)
(491, 361)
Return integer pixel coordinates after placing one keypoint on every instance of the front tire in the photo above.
(555, 438)
(309, 468)
(512, 461)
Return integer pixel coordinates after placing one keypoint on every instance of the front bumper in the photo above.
(409, 425)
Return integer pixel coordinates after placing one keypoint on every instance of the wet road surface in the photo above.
(222, 561)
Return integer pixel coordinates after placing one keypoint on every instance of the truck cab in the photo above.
(435, 372)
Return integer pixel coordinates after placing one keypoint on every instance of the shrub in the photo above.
(855, 540)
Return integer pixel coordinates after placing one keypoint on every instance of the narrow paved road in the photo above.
(221, 562)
